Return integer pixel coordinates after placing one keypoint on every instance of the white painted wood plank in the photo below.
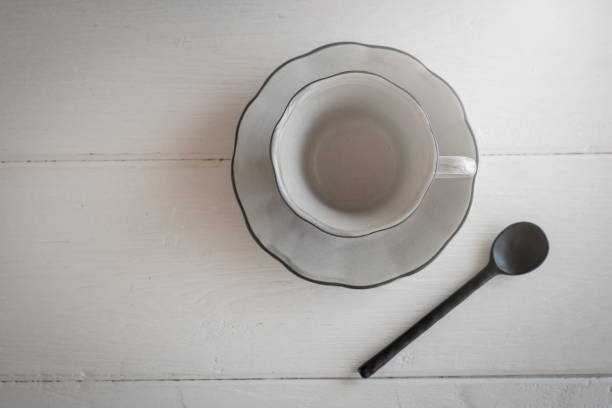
(160, 79)
(146, 270)
(511, 393)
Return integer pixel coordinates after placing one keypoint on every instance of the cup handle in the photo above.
(455, 167)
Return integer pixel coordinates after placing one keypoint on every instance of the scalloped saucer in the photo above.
(358, 262)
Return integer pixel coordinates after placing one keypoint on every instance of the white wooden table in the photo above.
(128, 278)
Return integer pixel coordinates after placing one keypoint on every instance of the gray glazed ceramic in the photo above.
(354, 154)
(377, 258)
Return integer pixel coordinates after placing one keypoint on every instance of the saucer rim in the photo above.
(277, 257)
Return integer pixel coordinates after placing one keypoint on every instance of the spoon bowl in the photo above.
(520, 248)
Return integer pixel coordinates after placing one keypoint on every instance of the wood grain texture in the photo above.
(145, 270)
(124, 256)
(156, 79)
(485, 393)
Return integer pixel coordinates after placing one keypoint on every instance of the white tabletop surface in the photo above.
(128, 277)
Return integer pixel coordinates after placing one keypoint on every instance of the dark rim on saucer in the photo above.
(278, 258)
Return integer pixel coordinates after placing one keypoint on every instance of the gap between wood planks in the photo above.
(80, 158)
(428, 379)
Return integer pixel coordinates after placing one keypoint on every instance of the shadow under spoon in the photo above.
(518, 249)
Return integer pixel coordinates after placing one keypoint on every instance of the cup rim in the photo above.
(312, 220)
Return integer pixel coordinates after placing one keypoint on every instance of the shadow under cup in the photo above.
(353, 154)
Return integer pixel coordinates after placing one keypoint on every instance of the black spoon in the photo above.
(518, 249)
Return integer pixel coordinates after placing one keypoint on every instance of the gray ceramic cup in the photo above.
(354, 154)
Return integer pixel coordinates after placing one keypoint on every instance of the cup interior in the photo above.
(353, 154)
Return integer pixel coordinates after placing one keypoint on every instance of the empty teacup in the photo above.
(354, 154)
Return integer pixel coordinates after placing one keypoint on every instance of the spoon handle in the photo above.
(386, 354)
